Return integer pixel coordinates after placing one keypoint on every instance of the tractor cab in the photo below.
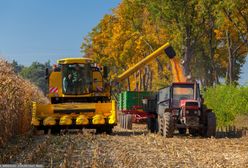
(180, 106)
(183, 101)
(184, 93)
(179, 95)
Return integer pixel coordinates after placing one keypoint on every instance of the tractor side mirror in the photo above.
(170, 52)
(105, 71)
(47, 73)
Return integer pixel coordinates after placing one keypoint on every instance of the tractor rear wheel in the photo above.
(211, 124)
(168, 126)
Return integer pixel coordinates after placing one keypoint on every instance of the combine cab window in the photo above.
(182, 92)
(77, 79)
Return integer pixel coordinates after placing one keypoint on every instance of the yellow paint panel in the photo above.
(74, 61)
(55, 81)
(104, 108)
(97, 81)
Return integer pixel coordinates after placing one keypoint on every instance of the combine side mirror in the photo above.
(170, 52)
(47, 73)
(105, 71)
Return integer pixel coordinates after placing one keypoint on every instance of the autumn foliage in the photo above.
(16, 99)
(210, 37)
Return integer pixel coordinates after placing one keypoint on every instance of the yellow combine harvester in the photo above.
(79, 98)
(80, 95)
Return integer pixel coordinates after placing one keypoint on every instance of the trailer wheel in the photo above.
(168, 128)
(122, 120)
(129, 121)
(211, 124)
(152, 125)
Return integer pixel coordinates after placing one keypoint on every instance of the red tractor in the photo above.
(180, 107)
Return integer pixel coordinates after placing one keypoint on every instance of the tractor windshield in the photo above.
(77, 79)
(182, 92)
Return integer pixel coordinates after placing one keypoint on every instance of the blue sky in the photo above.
(41, 30)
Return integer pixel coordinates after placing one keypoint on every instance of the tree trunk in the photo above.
(128, 84)
(140, 81)
(211, 49)
(151, 76)
(188, 52)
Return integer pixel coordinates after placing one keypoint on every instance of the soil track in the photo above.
(135, 148)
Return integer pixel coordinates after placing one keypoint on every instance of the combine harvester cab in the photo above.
(80, 98)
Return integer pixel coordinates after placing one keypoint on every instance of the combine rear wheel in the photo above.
(99, 130)
(168, 127)
(55, 130)
(107, 129)
(211, 124)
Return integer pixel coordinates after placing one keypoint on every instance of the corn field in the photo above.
(16, 96)
(126, 148)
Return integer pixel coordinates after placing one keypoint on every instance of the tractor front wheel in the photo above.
(168, 126)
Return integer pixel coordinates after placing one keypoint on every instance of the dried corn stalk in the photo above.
(16, 96)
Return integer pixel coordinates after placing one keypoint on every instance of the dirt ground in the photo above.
(125, 148)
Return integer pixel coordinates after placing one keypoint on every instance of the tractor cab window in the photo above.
(182, 92)
(77, 79)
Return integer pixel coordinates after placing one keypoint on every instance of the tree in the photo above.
(210, 37)
(36, 74)
(17, 67)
